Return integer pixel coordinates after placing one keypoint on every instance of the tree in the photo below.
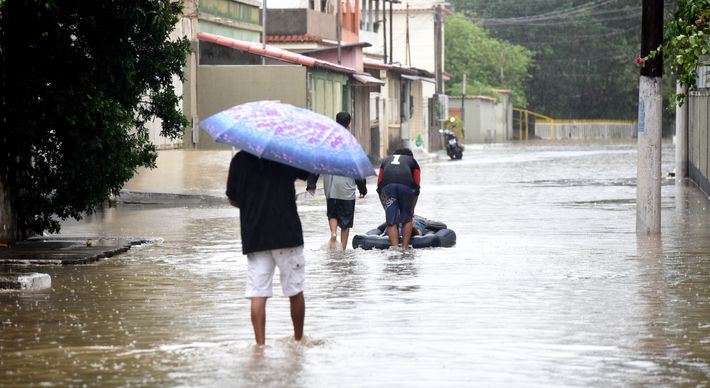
(489, 64)
(81, 80)
(583, 52)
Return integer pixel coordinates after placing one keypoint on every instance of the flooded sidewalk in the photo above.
(548, 285)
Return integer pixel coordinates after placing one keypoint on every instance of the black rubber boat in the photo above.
(435, 234)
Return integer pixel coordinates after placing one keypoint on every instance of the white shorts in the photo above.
(261, 267)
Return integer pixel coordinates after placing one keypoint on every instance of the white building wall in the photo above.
(184, 28)
(287, 3)
(421, 18)
(421, 36)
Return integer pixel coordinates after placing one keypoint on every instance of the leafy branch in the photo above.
(686, 43)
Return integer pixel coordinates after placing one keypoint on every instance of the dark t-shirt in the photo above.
(398, 169)
(266, 196)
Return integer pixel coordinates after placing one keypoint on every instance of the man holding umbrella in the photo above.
(272, 235)
(280, 143)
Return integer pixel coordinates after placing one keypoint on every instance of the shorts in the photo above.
(261, 268)
(342, 210)
(397, 200)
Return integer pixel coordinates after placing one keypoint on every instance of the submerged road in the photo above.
(548, 285)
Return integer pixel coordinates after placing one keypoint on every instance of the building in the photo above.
(486, 119)
(231, 72)
(314, 29)
(400, 117)
(411, 34)
(222, 75)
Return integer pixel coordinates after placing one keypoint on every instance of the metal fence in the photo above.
(699, 138)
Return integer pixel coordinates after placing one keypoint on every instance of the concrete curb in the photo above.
(168, 199)
(31, 281)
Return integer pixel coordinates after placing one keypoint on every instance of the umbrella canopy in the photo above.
(290, 135)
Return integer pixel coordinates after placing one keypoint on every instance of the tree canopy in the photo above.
(81, 79)
(489, 64)
(584, 52)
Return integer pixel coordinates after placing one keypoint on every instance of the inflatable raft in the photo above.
(434, 234)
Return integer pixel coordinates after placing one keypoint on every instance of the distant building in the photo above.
(485, 119)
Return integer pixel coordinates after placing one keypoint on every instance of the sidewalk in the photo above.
(65, 250)
(18, 263)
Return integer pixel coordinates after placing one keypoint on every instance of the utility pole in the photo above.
(407, 54)
(681, 135)
(438, 50)
(384, 27)
(263, 30)
(438, 64)
(502, 66)
(648, 180)
(338, 27)
(463, 98)
(391, 23)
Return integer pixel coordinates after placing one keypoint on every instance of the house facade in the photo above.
(400, 106)
(313, 30)
(406, 36)
(231, 72)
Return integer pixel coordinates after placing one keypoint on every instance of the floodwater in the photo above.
(548, 285)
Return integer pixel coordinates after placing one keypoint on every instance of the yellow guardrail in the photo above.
(524, 120)
(526, 113)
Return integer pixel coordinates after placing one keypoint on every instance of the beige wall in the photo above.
(221, 87)
(417, 124)
(485, 120)
(360, 125)
(289, 21)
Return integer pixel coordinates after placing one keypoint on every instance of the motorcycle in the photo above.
(453, 148)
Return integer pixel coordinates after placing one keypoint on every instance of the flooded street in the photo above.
(548, 285)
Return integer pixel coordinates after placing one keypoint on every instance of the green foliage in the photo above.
(583, 52)
(686, 42)
(82, 80)
(489, 64)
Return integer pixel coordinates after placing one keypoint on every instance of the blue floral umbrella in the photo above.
(290, 135)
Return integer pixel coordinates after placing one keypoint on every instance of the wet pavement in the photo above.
(548, 285)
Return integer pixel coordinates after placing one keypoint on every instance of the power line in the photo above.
(584, 13)
(545, 16)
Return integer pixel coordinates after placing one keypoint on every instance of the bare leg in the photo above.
(298, 314)
(258, 319)
(406, 235)
(333, 223)
(344, 234)
(393, 235)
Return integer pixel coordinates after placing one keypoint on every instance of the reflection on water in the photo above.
(548, 285)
